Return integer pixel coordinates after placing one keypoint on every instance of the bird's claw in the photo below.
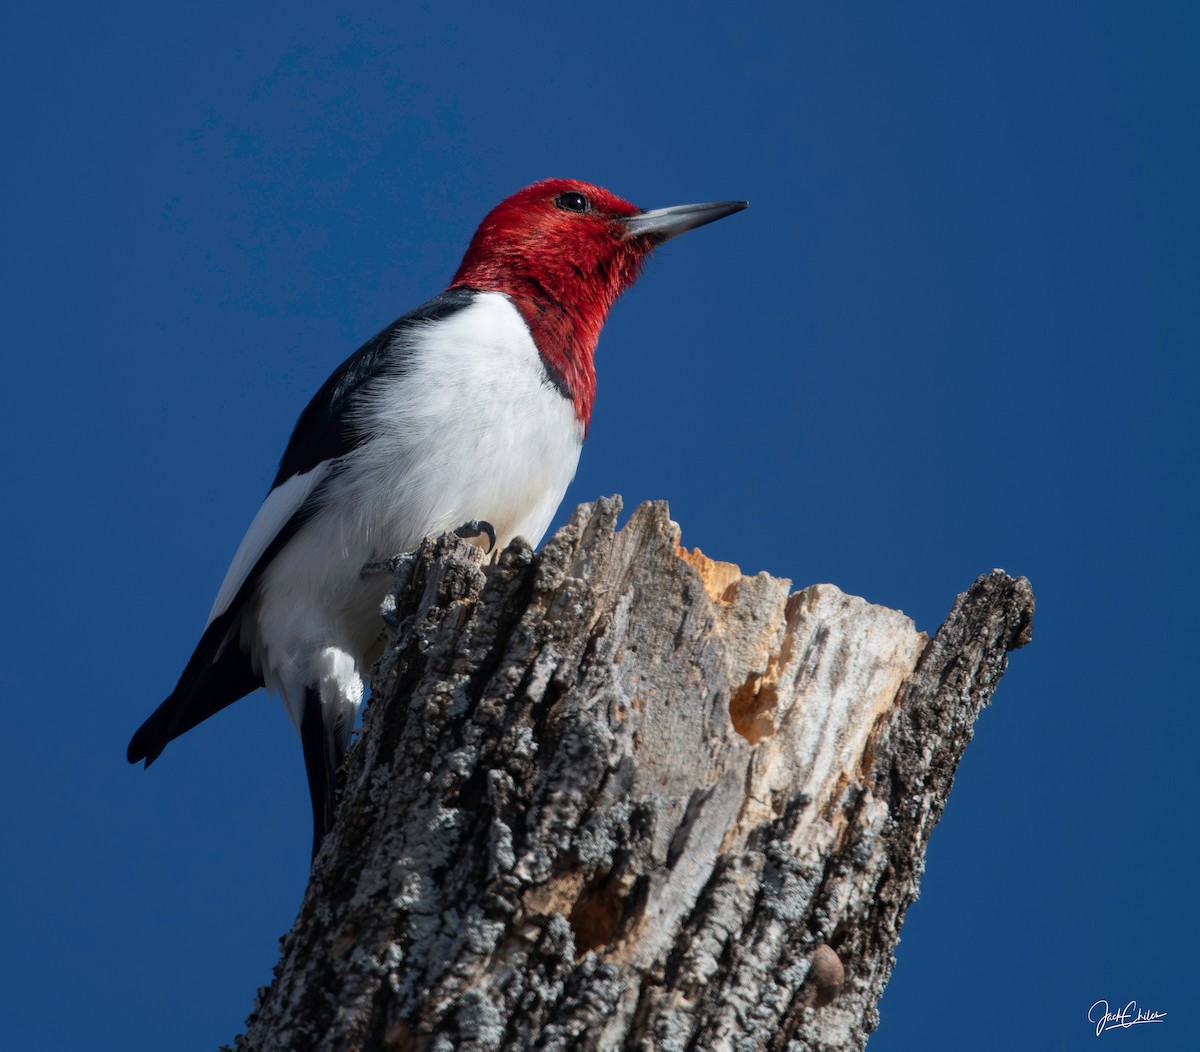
(477, 528)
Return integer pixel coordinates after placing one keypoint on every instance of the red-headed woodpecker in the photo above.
(469, 411)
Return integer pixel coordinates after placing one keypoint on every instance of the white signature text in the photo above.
(1121, 1019)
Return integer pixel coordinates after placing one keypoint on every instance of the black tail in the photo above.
(322, 757)
(218, 674)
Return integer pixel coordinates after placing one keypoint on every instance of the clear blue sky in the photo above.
(957, 329)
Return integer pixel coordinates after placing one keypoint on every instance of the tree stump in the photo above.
(616, 795)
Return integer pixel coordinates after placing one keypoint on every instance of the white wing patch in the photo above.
(281, 504)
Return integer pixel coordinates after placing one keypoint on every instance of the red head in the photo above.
(563, 251)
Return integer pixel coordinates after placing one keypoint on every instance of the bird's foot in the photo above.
(387, 566)
(468, 531)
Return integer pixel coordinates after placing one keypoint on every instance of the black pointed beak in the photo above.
(662, 224)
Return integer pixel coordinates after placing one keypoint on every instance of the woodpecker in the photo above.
(468, 413)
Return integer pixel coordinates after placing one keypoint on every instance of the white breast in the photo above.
(469, 428)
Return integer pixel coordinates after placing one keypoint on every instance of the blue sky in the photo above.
(957, 329)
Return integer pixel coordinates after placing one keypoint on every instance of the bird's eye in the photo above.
(573, 201)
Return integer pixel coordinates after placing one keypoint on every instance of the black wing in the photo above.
(219, 672)
(325, 430)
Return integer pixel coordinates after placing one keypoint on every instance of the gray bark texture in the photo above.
(616, 795)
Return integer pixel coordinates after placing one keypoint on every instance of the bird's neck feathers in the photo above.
(564, 287)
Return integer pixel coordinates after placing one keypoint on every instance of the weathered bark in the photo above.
(617, 795)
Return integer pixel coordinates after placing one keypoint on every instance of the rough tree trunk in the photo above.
(619, 796)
